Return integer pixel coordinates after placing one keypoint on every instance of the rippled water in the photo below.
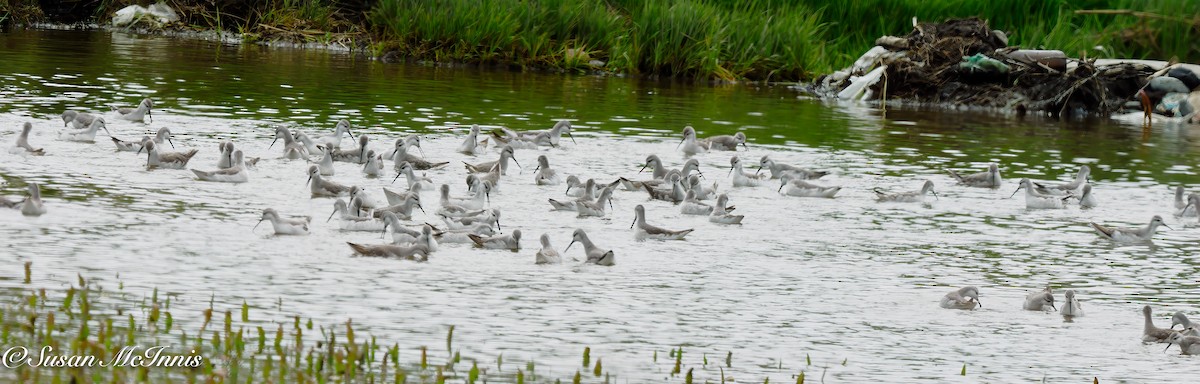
(841, 280)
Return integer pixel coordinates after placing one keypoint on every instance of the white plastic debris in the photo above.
(858, 84)
(159, 12)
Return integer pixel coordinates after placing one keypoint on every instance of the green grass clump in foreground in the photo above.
(756, 39)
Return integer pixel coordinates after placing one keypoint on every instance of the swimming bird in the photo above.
(550, 137)
(368, 201)
(32, 206)
(547, 255)
(164, 135)
(702, 192)
(342, 127)
(356, 155)
(476, 202)
(325, 165)
(803, 188)
(1180, 202)
(306, 142)
(285, 226)
(1068, 188)
(22, 144)
(291, 149)
(1038, 301)
(402, 210)
(721, 215)
(488, 217)
(692, 206)
(85, 135)
(138, 114)
(510, 241)
(646, 231)
(6, 203)
(778, 170)
(917, 196)
(374, 165)
(1188, 345)
(1130, 235)
(1087, 200)
(575, 186)
(401, 155)
(506, 154)
(986, 179)
(1037, 200)
(225, 147)
(172, 160)
(470, 145)
(675, 193)
(545, 175)
(78, 119)
(1180, 319)
(595, 208)
(691, 146)
(409, 141)
(350, 220)
(413, 252)
(321, 187)
(963, 298)
(394, 197)
(129, 146)
(405, 169)
(658, 175)
(726, 142)
(1071, 308)
(463, 236)
(569, 205)
(401, 234)
(1188, 209)
(1152, 334)
(595, 255)
(741, 178)
(235, 174)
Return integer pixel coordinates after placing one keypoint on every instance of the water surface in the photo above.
(841, 280)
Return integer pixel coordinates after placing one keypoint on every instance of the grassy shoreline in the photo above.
(760, 40)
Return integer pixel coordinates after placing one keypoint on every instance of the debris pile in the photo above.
(157, 15)
(963, 62)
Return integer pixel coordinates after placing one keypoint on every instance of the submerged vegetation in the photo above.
(767, 40)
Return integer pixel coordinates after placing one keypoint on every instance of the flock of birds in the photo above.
(470, 219)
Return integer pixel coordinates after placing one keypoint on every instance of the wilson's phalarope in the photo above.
(917, 196)
(510, 241)
(1130, 235)
(646, 231)
(321, 187)
(1152, 334)
(963, 298)
(172, 160)
(235, 174)
(595, 255)
(986, 179)
(22, 144)
(138, 114)
(32, 206)
(547, 255)
(285, 226)
(778, 170)
(85, 135)
(1038, 301)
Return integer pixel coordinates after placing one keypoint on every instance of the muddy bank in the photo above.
(964, 63)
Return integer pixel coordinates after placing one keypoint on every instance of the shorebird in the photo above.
(307, 142)
(510, 241)
(325, 165)
(675, 193)
(401, 155)
(413, 252)
(692, 206)
(401, 234)
(1188, 208)
(506, 154)
(367, 201)
(1071, 308)
(402, 209)
(917, 196)
(6, 203)
(803, 188)
(986, 179)
(350, 220)
(595, 208)
(1038, 200)
(702, 192)
(86, 135)
(575, 187)
(463, 236)
(1130, 235)
(721, 215)
(726, 142)
(225, 147)
(1087, 199)
(172, 160)
(138, 114)
(1068, 188)
(535, 138)
(569, 205)
(285, 226)
(409, 141)
(646, 231)
(405, 168)
(658, 175)
(394, 197)
(164, 135)
(595, 255)
(291, 149)
(78, 119)
(470, 145)
(1038, 301)
(740, 177)
(321, 187)
(1188, 345)
(22, 144)
(235, 174)
(1180, 202)
(547, 255)
(32, 206)
(1180, 319)
(691, 146)
(356, 155)
(343, 126)
(778, 170)
(129, 146)
(488, 217)
(1152, 334)
(473, 203)
(374, 165)
(545, 175)
(963, 298)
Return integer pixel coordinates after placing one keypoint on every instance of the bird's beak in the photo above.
(309, 180)
(498, 225)
(514, 159)
(702, 173)
(759, 170)
(273, 142)
(569, 246)
(256, 225)
(1052, 306)
(634, 222)
(569, 192)
(745, 146)
(781, 186)
(680, 142)
(395, 178)
(935, 196)
(572, 137)
(172, 142)
(331, 215)
(1168, 226)
(1168, 346)
(421, 208)
(644, 167)
(1015, 192)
